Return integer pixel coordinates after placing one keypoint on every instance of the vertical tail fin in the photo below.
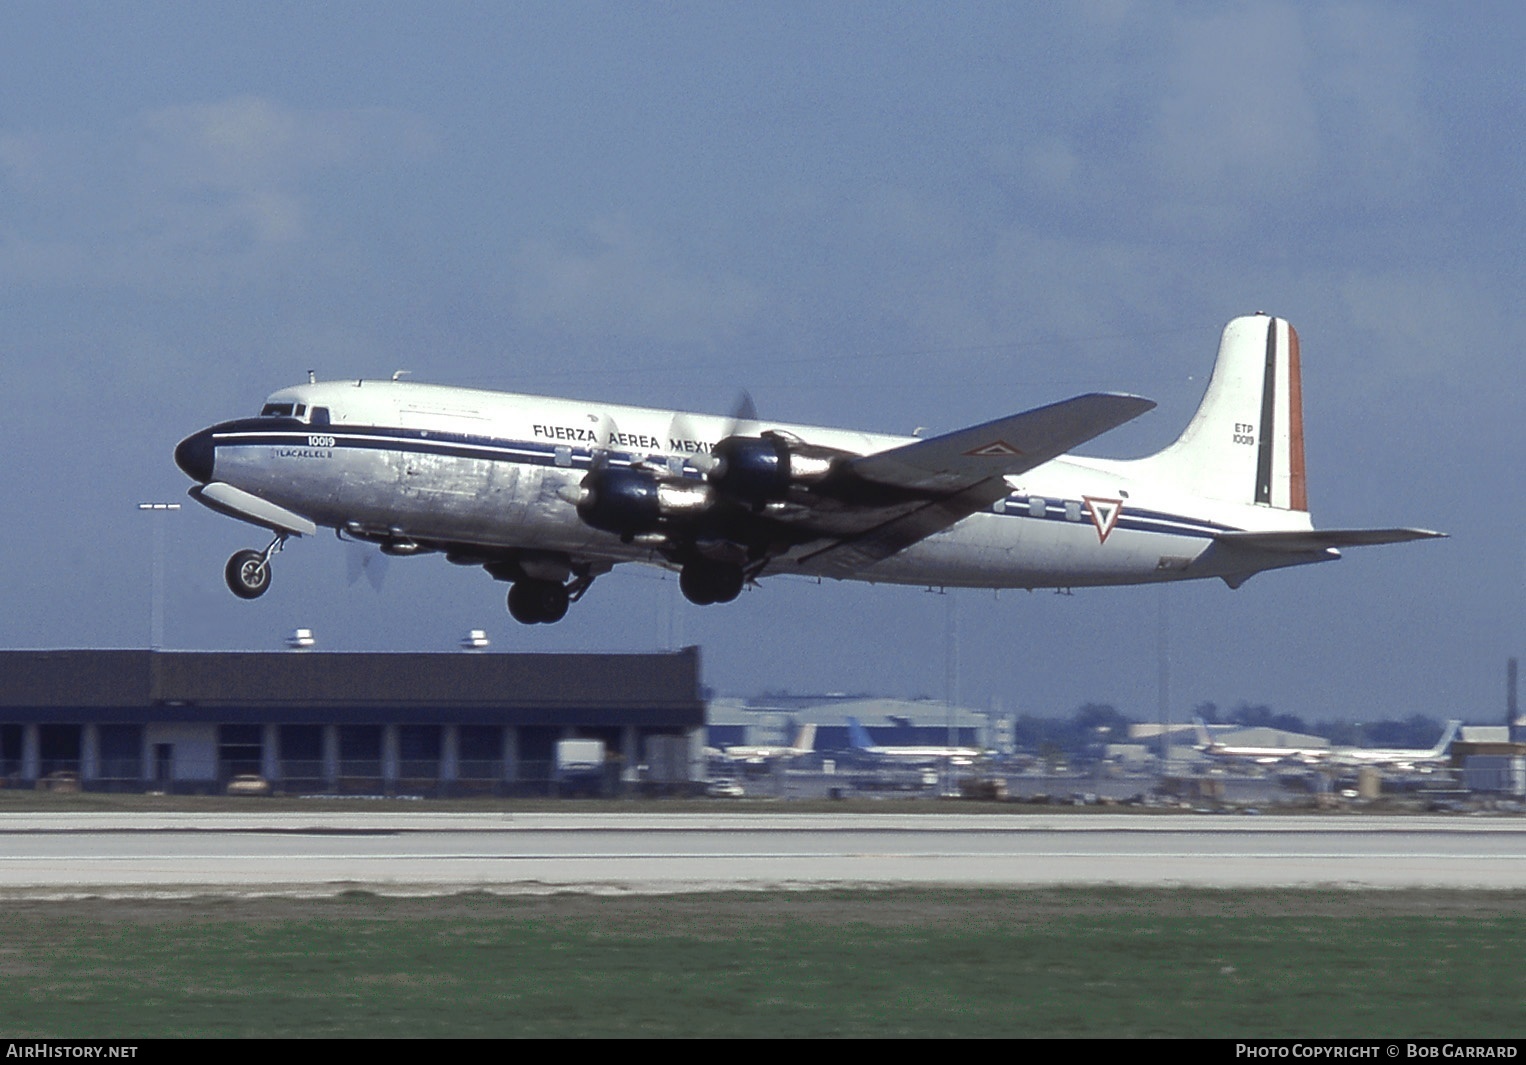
(1446, 739)
(1245, 443)
(858, 736)
(1204, 741)
(805, 739)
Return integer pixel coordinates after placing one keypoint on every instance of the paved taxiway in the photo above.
(323, 852)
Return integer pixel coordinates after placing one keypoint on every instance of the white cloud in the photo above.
(1366, 77)
(1435, 324)
(619, 282)
(249, 142)
(1236, 118)
(1267, 103)
(181, 197)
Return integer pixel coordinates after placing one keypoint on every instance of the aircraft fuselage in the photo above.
(549, 493)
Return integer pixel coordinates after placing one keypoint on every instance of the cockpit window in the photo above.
(276, 410)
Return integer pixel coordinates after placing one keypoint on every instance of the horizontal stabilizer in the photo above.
(237, 503)
(1302, 541)
(1005, 447)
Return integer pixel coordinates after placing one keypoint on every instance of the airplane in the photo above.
(805, 743)
(865, 746)
(1351, 757)
(1259, 755)
(1399, 757)
(549, 494)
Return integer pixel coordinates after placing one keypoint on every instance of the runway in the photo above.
(327, 852)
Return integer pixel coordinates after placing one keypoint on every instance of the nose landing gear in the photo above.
(248, 572)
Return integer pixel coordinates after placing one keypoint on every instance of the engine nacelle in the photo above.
(753, 469)
(632, 502)
(762, 469)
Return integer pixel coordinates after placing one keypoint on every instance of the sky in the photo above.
(882, 216)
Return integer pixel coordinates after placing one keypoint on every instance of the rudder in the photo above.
(1245, 442)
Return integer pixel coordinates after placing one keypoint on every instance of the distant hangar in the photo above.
(339, 722)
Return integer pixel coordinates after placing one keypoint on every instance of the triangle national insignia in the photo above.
(1104, 513)
(994, 450)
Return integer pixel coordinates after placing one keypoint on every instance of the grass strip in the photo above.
(1078, 962)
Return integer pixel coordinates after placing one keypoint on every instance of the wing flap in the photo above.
(846, 557)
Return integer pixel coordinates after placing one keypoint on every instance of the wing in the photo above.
(1005, 447)
(925, 487)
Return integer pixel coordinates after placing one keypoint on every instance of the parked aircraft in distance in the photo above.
(1383, 757)
(549, 494)
(805, 743)
(1260, 755)
(1399, 757)
(864, 745)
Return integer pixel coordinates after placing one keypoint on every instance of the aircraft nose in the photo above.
(194, 455)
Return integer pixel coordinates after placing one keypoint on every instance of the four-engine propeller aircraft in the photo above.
(551, 493)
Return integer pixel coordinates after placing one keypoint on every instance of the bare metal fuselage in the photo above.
(550, 493)
(436, 464)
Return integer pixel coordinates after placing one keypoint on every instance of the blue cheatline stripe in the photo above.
(1017, 506)
(535, 453)
(431, 442)
(374, 442)
(378, 441)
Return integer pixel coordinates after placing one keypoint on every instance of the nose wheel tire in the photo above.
(534, 602)
(248, 574)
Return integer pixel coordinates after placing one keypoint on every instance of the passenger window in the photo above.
(563, 455)
(320, 416)
(1072, 510)
(1037, 507)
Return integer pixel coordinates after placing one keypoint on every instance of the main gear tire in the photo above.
(537, 602)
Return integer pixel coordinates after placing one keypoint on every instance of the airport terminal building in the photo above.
(342, 723)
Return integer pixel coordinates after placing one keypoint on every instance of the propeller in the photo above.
(744, 412)
(361, 560)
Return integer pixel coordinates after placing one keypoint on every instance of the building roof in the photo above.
(292, 679)
(872, 711)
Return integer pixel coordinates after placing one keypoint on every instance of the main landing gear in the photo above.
(533, 601)
(704, 581)
(248, 572)
(542, 599)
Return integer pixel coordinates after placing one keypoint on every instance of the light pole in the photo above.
(950, 682)
(156, 616)
(1163, 677)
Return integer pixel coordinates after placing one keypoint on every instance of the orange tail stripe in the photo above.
(1297, 484)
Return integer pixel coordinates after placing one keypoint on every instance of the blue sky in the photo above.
(874, 215)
